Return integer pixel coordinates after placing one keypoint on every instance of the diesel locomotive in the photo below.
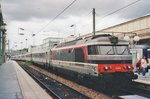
(104, 58)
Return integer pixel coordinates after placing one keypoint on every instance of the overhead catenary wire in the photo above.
(119, 9)
(113, 12)
(81, 18)
(88, 13)
(56, 16)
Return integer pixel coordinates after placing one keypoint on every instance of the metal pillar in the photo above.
(93, 21)
(2, 38)
(1, 47)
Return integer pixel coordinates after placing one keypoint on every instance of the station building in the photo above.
(140, 25)
(47, 43)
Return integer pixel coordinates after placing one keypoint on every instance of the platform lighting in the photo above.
(19, 31)
(127, 38)
(136, 38)
(33, 34)
(26, 43)
(73, 25)
(133, 41)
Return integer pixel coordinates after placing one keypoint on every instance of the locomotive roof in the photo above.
(103, 38)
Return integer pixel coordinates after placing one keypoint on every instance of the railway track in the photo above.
(54, 88)
(66, 88)
(137, 90)
(141, 89)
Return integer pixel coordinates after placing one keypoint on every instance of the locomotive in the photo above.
(103, 59)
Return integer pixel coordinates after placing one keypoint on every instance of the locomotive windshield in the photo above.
(108, 50)
(122, 50)
(105, 50)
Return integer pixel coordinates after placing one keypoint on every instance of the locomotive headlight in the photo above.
(110, 67)
(125, 67)
(128, 67)
(106, 67)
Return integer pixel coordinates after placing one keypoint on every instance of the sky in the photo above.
(33, 15)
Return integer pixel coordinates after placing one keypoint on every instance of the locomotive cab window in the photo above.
(108, 50)
(100, 50)
(122, 50)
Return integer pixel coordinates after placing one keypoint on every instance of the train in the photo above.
(104, 59)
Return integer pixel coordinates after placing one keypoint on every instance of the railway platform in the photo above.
(144, 80)
(15, 83)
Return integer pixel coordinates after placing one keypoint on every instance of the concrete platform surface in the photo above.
(144, 79)
(9, 86)
(15, 83)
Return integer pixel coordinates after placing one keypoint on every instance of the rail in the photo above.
(54, 88)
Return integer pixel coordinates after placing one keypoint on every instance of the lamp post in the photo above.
(133, 40)
(73, 25)
(33, 35)
(16, 46)
(19, 31)
(21, 47)
(20, 42)
(26, 43)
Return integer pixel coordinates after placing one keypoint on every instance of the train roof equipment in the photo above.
(96, 39)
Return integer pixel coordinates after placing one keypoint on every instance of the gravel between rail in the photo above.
(82, 89)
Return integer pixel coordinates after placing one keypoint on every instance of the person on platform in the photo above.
(143, 65)
(138, 66)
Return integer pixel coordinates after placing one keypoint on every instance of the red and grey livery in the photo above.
(93, 56)
(99, 56)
